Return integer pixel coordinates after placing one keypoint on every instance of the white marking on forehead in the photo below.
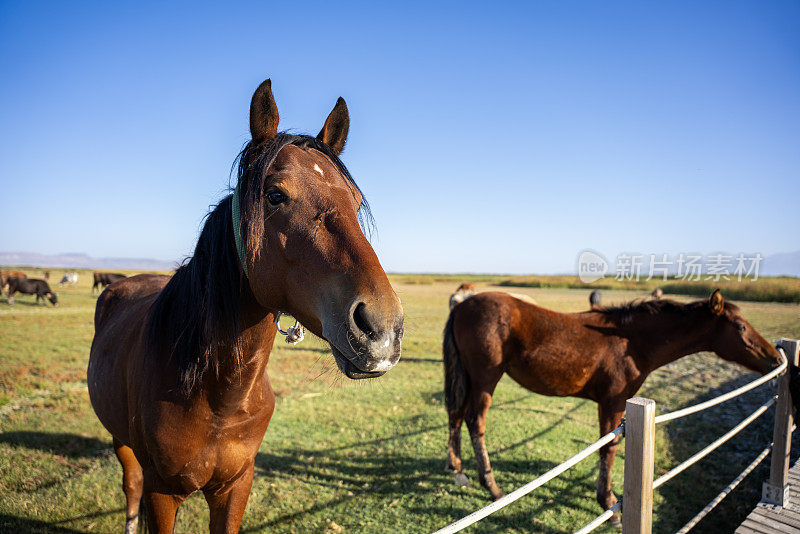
(316, 168)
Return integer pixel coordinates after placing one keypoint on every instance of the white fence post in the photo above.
(776, 489)
(637, 492)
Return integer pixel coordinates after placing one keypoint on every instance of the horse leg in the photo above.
(478, 407)
(131, 484)
(226, 503)
(454, 445)
(11, 296)
(610, 416)
(161, 509)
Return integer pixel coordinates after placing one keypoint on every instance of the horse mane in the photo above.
(195, 321)
(624, 314)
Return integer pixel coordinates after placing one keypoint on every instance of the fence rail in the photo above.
(681, 467)
(520, 492)
(638, 429)
(664, 417)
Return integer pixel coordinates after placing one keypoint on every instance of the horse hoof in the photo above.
(462, 480)
(615, 522)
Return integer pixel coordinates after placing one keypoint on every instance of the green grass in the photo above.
(364, 456)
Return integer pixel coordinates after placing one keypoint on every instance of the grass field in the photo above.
(365, 456)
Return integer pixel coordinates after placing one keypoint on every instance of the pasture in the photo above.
(365, 456)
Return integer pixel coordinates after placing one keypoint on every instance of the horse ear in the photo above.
(716, 303)
(334, 132)
(263, 113)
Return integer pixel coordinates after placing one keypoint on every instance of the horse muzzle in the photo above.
(369, 343)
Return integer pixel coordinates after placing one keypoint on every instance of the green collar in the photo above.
(237, 231)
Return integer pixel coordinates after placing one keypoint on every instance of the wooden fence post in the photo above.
(637, 492)
(776, 489)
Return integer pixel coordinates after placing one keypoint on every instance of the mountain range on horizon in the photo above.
(77, 260)
(781, 264)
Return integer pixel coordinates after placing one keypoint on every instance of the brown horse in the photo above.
(5, 275)
(177, 371)
(603, 355)
(102, 280)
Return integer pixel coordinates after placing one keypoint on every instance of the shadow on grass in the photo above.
(394, 476)
(9, 523)
(62, 444)
(355, 468)
(420, 360)
(687, 494)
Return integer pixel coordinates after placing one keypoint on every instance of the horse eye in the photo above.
(276, 198)
(740, 327)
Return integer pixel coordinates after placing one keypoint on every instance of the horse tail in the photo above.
(456, 379)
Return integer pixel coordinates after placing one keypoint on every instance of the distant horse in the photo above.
(463, 292)
(466, 290)
(657, 293)
(46, 275)
(30, 286)
(177, 371)
(69, 278)
(5, 275)
(102, 280)
(603, 355)
(595, 299)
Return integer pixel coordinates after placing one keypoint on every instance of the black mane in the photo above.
(624, 314)
(195, 321)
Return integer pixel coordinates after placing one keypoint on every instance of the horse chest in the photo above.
(206, 453)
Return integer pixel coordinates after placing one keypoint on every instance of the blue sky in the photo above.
(487, 138)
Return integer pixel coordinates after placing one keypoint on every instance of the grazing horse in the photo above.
(463, 292)
(177, 370)
(603, 355)
(657, 293)
(102, 280)
(30, 286)
(595, 300)
(69, 278)
(5, 275)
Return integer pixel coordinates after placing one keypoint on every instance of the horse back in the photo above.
(545, 351)
(118, 347)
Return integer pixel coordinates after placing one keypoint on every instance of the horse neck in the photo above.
(665, 337)
(241, 382)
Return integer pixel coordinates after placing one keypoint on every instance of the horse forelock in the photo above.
(253, 164)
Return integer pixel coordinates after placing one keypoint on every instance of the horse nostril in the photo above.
(361, 321)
